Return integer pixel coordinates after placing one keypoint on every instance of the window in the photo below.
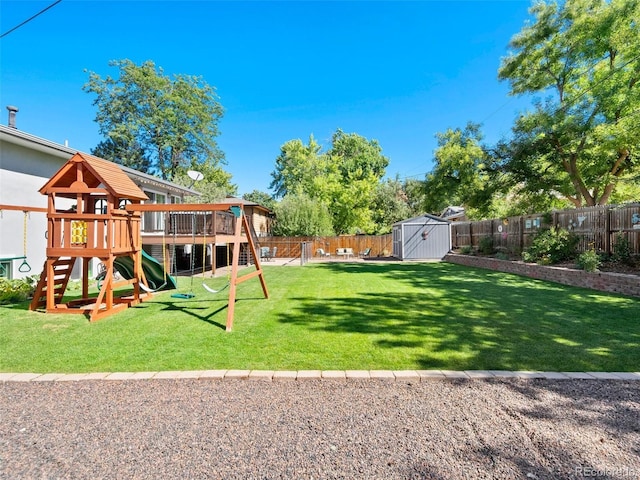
(5, 270)
(154, 221)
(101, 206)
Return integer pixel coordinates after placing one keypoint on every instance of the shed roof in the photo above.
(96, 172)
(423, 220)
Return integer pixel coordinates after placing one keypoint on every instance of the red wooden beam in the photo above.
(22, 208)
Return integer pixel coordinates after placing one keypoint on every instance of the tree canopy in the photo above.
(390, 205)
(214, 187)
(343, 178)
(299, 214)
(261, 198)
(584, 137)
(160, 124)
(459, 176)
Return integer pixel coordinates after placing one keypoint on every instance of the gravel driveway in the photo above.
(530, 429)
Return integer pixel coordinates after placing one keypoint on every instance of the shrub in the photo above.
(14, 291)
(589, 261)
(466, 250)
(502, 256)
(622, 250)
(485, 246)
(549, 246)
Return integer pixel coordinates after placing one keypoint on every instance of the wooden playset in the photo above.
(111, 230)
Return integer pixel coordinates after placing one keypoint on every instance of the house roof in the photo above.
(246, 203)
(423, 220)
(453, 212)
(27, 140)
(94, 173)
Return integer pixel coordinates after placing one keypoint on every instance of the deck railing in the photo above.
(199, 223)
(89, 234)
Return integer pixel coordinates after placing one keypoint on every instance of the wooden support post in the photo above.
(108, 283)
(256, 257)
(51, 301)
(237, 240)
(85, 277)
(139, 274)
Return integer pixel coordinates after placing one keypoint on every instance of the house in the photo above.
(26, 164)
(421, 238)
(454, 214)
(260, 217)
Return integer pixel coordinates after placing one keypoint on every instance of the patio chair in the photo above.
(321, 253)
(365, 253)
(264, 253)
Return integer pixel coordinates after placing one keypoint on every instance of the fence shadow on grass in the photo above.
(451, 317)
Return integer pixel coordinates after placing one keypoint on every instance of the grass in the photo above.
(343, 316)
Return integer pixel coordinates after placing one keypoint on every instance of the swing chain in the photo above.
(24, 266)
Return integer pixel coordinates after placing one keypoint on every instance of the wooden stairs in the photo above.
(62, 268)
(103, 305)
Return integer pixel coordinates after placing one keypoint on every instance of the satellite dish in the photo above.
(195, 176)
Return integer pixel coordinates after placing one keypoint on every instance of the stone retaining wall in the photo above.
(604, 281)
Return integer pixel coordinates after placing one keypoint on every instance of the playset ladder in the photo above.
(62, 268)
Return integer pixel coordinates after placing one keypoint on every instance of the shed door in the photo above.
(397, 242)
(429, 241)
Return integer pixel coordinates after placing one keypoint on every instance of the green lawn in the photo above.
(343, 316)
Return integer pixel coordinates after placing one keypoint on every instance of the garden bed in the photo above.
(606, 281)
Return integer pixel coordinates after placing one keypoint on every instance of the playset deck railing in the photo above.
(92, 235)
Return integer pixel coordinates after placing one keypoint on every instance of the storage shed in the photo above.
(421, 238)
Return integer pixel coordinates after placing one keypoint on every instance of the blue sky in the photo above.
(396, 72)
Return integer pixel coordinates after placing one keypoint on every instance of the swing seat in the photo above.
(211, 290)
(183, 295)
(149, 289)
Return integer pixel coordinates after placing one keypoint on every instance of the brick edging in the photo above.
(324, 375)
(603, 281)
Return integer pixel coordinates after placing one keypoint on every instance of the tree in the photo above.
(415, 192)
(128, 153)
(343, 178)
(297, 167)
(389, 205)
(299, 214)
(360, 166)
(214, 187)
(170, 122)
(584, 138)
(460, 176)
(261, 198)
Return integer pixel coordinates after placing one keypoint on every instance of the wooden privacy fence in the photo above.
(287, 247)
(596, 227)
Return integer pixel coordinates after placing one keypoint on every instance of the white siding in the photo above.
(23, 172)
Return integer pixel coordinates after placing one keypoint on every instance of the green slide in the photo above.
(153, 270)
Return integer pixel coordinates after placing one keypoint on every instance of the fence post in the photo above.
(607, 229)
(521, 234)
